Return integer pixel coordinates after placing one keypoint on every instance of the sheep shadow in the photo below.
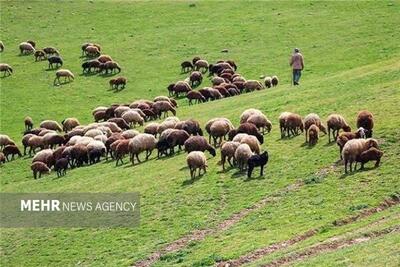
(4, 76)
(88, 74)
(191, 181)
(331, 143)
(260, 177)
(307, 145)
(62, 83)
(52, 69)
(226, 169)
(107, 75)
(238, 174)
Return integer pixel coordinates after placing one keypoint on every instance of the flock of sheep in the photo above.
(111, 135)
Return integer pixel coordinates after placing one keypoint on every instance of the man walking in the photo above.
(297, 64)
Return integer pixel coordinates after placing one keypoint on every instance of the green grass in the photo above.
(352, 63)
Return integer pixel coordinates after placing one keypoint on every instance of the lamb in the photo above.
(56, 60)
(120, 122)
(253, 143)
(365, 119)
(63, 73)
(293, 124)
(255, 161)
(51, 51)
(196, 96)
(313, 134)
(79, 155)
(151, 128)
(261, 122)
(109, 66)
(163, 107)
(26, 48)
(201, 65)
(353, 149)
(335, 122)
(61, 167)
(5, 140)
(268, 82)
(346, 136)
(132, 118)
(6, 69)
(39, 55)
(219, 129)
(274, 81)
(35, 142)
(28, 123)
(69, 124)
(242, 155)
(311, 119)
(140, 143)
(51, 125)
(104, 58)
(248, 113)
(186, 66)
(251, 85)
(88, 65)
(117, 82)
(11, 150)
(46, 156)
(92, 51)
(371, 154)
(228, 152)
(196, 160)
(198, 143)
(195, 78)
(39, 167)
(128, 134)
(191, 126)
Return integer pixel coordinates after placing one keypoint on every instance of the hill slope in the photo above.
(352, 59)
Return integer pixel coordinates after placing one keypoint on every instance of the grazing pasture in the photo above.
(351, 52)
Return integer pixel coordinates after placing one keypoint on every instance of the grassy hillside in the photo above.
(352, 63)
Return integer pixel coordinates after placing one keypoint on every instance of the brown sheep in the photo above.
(39, 55)
(191, 126)
(196, 96)
(51, 125)
(26, 48)
(99, 115)
(247, 128)
(51, 51)
(176, 138)
(28, 123)
(365, 119)
(39, 167)
(186, 66)
(69, 124)
(343, 137)
(24, 141)
(228, 153)
(251, 85)
(116, 82)
(196, 160)
(371, 154)
(181, 87)
(110, 66)
(335, 122)
(92, 51)
(293, 124)
(195, 78)
(35, 142)
(6, 69)
(201, 65)
(104, 58)
(311, 119)
(313, 134)
(121, 150)
(163, 107)
(198, 143)
(64, 73)
(11, 150)
(195, 59)
(353, 149)
(274, 81)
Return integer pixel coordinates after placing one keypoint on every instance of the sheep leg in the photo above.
(345, 166)
(329, 134)
(378, 161)
(262, 170)
(137, 157)
(306, 135)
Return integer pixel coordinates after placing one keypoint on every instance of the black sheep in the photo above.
(186, 66)
(61, 167)
(54, 60)
(256, 161)
(95, 155)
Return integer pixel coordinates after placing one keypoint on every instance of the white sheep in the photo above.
(249, 112)
(140, 143)
(353, 149)
(132, 118)
(196, 160)
(51, 125)
(128, 134)
(242, 154)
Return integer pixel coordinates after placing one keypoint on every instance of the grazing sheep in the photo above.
(195, 78)
(335, 122)
(218, 68)
(195, 59)
(99, 115)
(242, 155)
(282, 122)
(24, 141)
(251, 85)
(371, 154)
(39, 167)
(168, 123)
(239, 137)
(313, 134)
(11, 150)
(274, 81)
(51, 51)
(205, 93)
(252, 141)
(2, 158)
(248, 128)
(163, 107)
(353, 149)
(85, 45)
(180, 87)
(343, 137)
(98, 145)
(35, 142)
(186, 66)
(99, 109)
(39, 55)
(46, 131)
(293, 124)
(196, 96)
(64, 73)
(228, 152)
(110, 66)
(120, 122)
(151, 128)
(365, 119)
(201, 65)
(111, 143)
(55, 60)
(215, 94)
(93, 132)
(5, 140)
(268, 82)
(57, 153)
(255, 161)
(104, 58)
(196, 160)
(92, 51)
(69, 124)
(6, 69)
(52, 139)
(128, 134)
(79, 155)
(61, 167)
(33, 43)
(117, 82)
(261, 122)
(224, 92)
(46, 156)
(176, 138)
(217, 80)
(191, 126)
(88, 65)
(165, 98)
(249, 112)
(94, 156)
(28, 123)
(120, 110)
(51, 125)
(26, 48)
(210, 122)
(132, 118)
(140, 143)
(311, 119)
(219, 129)
(198, 143)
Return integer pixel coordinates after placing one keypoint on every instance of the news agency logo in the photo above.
(69, 210)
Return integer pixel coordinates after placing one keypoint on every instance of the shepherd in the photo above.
(297, 64)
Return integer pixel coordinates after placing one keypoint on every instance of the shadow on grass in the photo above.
(330, 143)
(88, 74)
(260, 177)
(191, 181)
(62, 83)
